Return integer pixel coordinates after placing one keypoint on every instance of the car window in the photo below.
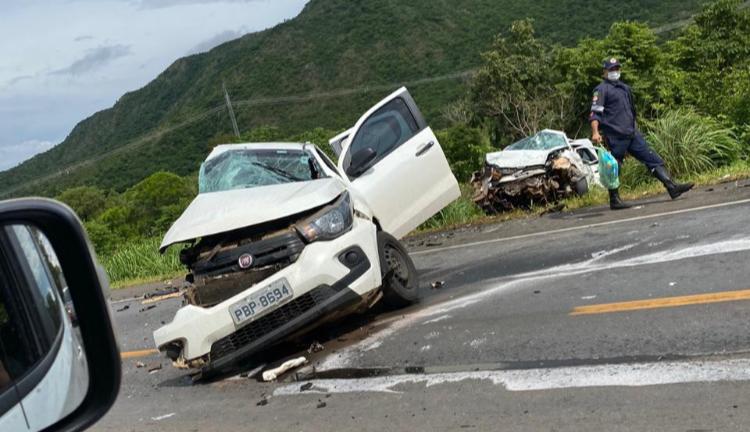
(386, 129)
(46, 301)
(326, 160)
(249, 168)
(18, 351)
(586, 155)
(541, 141)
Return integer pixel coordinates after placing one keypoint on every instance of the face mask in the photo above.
(613, 76)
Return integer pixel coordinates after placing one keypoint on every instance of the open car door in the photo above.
(394, 160)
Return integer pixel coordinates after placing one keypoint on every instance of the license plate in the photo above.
(255, 304)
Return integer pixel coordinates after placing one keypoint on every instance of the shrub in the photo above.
(465, 148)
(140, 259)
(689, 144)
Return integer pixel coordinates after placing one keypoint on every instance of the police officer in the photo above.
(613, 115)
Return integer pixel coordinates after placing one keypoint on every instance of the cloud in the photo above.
(83, 38)
(16, 153)
(158, 4)
(94, 59)
(215, 40)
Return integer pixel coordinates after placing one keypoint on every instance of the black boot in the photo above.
(615, 203)
(674, 189)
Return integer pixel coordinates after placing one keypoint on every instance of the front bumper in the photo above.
(322, 283)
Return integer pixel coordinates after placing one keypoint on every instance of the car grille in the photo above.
(220, 278)
(270, 322)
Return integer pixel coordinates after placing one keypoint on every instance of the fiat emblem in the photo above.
(245, 261)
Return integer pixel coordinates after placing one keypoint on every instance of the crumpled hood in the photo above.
(518, 158)
(218, 212)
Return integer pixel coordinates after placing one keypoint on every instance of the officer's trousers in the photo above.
(637, 147)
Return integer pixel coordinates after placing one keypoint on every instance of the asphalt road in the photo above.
(592, 320)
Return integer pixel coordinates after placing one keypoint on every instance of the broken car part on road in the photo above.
(539, 169)
(280, 239)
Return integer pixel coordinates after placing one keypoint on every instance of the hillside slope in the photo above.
(331, 45)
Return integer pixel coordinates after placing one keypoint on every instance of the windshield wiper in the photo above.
(278, 171)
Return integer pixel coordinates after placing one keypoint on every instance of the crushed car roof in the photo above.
(262, 145)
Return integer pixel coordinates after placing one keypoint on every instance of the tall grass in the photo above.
(140, 260)
(689, 144)
(461, 211)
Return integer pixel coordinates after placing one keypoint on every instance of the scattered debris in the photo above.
(321, 404)
(124, 308)
(154, 367)
(274, 373)
(156, 299)
(672, 284)
(438, 284)
(537, 292)
(591, 297)
(140, 364)
(315, 347)
(163, 417)
(160, 293)
(147, 308)
(306, 387)
(263, 401)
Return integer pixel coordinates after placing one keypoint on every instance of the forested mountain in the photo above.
(343, 54)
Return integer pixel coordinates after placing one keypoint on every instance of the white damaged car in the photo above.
(538, 169)
(280, 239)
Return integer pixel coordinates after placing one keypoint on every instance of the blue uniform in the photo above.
(613, 107)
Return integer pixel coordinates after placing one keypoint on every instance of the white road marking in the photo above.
(629, 375)
(579, 227)
(162, 417)
(438, 319)
(591, 297)
(346, 356)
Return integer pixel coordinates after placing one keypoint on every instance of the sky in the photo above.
(63, 60)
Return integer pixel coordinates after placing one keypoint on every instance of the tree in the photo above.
(515, 89)
(149, 200)
(87, 201)
(465, 148)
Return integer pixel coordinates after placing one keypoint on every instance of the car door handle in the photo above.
(425, 148)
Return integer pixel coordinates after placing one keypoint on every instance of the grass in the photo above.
(140, 262)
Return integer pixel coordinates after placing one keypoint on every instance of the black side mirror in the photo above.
(360, 161)
(46, 259)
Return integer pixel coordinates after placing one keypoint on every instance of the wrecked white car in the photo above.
(539, 169)
(280, 239)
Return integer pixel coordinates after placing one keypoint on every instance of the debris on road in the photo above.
(124, 308)
(163, 417)
(438, 284)
(315, 347)
(274, 373)
(154, 367)
(263, 401)
(156, 299)
(140, 364)
(305, 387)
(147, 308)
(321, 404)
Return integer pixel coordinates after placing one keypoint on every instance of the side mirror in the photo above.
(360, 161)
(58, 353)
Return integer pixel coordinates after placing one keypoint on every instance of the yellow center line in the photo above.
(665, 302)
(136, 354)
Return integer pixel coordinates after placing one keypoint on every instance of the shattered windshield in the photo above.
(540, 141)
(249, 168)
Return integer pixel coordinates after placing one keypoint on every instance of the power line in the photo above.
(158, 132)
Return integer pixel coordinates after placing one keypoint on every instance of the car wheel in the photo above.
(400, 278)
(582, 187)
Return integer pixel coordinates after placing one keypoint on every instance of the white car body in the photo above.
(400, 189)
(526, 163)
(59, 380)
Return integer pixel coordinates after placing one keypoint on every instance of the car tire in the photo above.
(400, 278)
(582, 187)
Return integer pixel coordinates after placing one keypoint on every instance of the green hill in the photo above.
(344, 54)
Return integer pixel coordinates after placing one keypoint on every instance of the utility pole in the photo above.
(231, 110)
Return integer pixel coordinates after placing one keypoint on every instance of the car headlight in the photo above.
(330, 222)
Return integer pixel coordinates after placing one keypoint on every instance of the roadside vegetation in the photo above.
(692, 93)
